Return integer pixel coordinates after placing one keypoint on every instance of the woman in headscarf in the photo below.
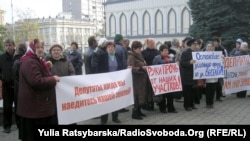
(36, 96)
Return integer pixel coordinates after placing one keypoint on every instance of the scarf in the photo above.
(30, 53)
(167, 59)
(112, 56)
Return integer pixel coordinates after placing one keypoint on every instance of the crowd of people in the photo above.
(29, 76)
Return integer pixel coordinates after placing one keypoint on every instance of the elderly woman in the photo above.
(210, 83)
(243, 51)
(163, 58)
(138, 65)
(107, 60)
(36, 94)
(62, 66)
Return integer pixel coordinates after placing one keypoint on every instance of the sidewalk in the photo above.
(233, 111)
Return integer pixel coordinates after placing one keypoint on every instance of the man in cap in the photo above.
(6, 76)
(186, 64)
(122, 52)
(237, 48)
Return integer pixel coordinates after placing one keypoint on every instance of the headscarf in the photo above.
(30, 53)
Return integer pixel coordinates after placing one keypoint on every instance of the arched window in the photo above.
(185, 20)
(123, 25)
(112, 26)
(146, 23)
(171, 22)
(158, 22)
(134, 24)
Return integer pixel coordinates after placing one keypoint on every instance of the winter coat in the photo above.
(187, 68)
(89, 69)
(6, 75)
(36, 92)
(61, 67)
(77, 61)
(122, 52)
(139, 74)
(102, 61)
(149, 54)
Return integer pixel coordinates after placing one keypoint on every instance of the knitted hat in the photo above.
(118, 37)
(55, 45)
(102, 41)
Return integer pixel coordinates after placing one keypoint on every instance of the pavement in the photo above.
(231, 111)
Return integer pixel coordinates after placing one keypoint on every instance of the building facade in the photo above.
(140, 19)
(63, 31)
(1, 16)
(93, 10)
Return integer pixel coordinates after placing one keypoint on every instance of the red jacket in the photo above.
(36, 95)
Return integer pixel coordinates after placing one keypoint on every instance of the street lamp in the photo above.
(13, 26)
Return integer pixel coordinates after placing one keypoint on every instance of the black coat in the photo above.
(187, 68)
(102, 60)
(149, 54)
(6, 75)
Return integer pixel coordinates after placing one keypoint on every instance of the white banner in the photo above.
(165, 78)
(237, 75)
(82, 97)
(209, 64)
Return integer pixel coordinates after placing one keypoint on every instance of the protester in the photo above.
(210, 83)
(220, 83)
(148, 54)
(6, 76)
(76, 58)
(36, 97)
(108, 61)
(243, 51)
(89, 68)
(19, 52)
(237, 48)
(126, 43)
(139, 74)
(62, 66)
(121, 51)
(188, 82)
(163, 58)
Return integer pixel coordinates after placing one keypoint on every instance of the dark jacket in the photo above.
(6, 75)
(103, 60)
(241, 52)
(122, 52)
(89, 69)
(149, 54)
(223, 49)
(61, 67)
(160, 60)
(187, 68)
(36, 96)
(77, 61)
(15, 71)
